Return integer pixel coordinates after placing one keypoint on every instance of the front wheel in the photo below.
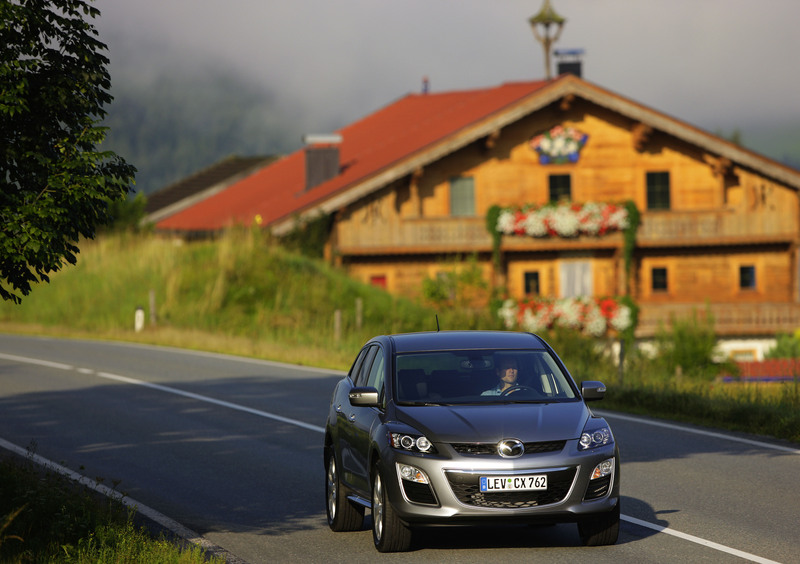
(389, 532)
(343, 515)
(601, 529)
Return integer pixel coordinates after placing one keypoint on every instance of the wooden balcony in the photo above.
(671, 228)
(431, 235)
(752, 319)
(459, 235)
(658, 229)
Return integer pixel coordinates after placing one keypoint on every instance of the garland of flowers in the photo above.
(592, 316)
(563, 219)
(559, 145)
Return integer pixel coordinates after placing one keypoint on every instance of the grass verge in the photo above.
(46, 517)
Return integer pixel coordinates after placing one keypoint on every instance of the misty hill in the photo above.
(171, 124)
(171, 121)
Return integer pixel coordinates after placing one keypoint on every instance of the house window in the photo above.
(532, 283)
(379, 281)
(560, 187)
(659, 279)
(575, 279)
(747, 277)
(658, 191)
(462, 196)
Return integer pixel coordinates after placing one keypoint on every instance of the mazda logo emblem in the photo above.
(510, 448)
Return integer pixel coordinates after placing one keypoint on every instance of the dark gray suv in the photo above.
(467, 427)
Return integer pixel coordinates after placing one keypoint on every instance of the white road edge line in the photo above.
(703, 432)
(196, 538)
(698, 540)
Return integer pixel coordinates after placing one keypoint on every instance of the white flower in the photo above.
(564, 221)
(619, 219)
(508, 313)
(506, 222)
(568, 313)
(559, 146)
(622, 318)
(534, 224)
(595, 323)
(546, 145)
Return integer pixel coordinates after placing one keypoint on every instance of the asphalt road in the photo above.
(231, 448)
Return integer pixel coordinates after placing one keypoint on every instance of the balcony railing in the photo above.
(715, 227)
(461, 234)
(729, 319)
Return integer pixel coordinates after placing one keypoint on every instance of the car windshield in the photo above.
(480, 376)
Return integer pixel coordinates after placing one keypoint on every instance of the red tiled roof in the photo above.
(202, 180)
(370, 145)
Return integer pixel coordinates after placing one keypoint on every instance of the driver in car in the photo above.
(507, 372)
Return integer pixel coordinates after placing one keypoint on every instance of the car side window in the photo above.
(357, 364)
(377, 372)
(363, 372)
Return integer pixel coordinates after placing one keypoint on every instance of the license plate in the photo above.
(513, 483)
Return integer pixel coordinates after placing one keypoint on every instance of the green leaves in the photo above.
(55, 187)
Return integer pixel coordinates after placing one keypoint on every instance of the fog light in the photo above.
(603, 469)
(412, 474)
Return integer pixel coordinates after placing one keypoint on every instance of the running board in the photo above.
(360, 500)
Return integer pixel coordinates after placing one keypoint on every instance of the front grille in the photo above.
(483, 449)
(597, 488)
(467, 489)
(418, 493)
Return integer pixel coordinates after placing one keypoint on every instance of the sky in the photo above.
(717, 64)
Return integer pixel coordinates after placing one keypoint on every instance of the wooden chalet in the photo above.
(410, 186)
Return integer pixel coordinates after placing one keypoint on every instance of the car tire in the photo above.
(389, 532)
(343, 515)
(600, 529)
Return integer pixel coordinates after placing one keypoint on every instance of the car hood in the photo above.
(491, 423)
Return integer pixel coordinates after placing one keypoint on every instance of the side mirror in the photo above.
(592, 391)
(364, 396)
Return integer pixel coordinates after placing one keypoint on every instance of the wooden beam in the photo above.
(490, 140)
(641, 135)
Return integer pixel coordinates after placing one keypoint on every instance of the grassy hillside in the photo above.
(239, 294)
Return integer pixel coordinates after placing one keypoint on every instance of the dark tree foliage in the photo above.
(55, 185)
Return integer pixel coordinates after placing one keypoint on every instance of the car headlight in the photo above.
(411, 443)
(595, 434)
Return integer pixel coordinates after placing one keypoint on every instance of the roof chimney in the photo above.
(569, 61)
(322, 158)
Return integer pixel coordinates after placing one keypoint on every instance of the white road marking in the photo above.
(698, 540)
(214, 401)
(167, 389)
(302, 424)
(674, 427)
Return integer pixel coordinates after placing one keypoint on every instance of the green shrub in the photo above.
(786, 346)
(688, 348)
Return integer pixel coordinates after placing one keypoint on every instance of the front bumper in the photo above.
(452, 494)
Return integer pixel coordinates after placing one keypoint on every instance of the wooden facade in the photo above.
(725, 241)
